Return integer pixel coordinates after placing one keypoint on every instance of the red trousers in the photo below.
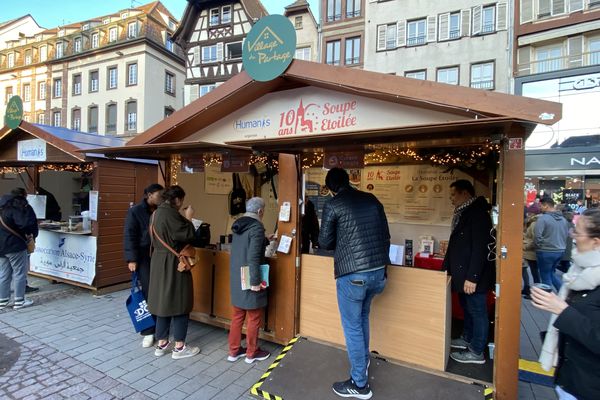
(252, 327)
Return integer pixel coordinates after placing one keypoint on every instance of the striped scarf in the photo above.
(458, 211)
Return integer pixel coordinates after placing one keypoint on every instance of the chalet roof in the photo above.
(297, 6)
(254, 8)
(476, 107)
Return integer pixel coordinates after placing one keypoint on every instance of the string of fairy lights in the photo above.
(464, 157)
(83, 167)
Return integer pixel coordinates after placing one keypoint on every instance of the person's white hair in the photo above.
(254, 204)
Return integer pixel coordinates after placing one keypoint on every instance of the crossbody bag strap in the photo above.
(154, 234)
(8, 228)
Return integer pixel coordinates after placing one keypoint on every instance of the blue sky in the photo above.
(50, 14)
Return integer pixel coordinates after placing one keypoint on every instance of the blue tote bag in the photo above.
(137, 307)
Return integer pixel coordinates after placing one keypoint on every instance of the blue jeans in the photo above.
(547, 262)
(355, 293)
(476, 320)
(13, 266)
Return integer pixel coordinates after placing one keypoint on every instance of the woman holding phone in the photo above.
(572, 343)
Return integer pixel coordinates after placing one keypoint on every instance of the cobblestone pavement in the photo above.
(83, 347)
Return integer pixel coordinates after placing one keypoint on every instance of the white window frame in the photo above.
(94, 83)
(169, 82)
(491, 27)
(205, 89)
(113, 77)
(10, 62)
(27, 92)
(76, 122)
(224, 13)
(28, 57)
(227, 57)
(417, 38)
(446, 71)
(77, 85)
(131, 116)
(132, 30)
(330, 47)
(482, 83)
(356, 45)
(549, 58)
(594, 54)
(56, 118)
(43, 53)
(59, 50)
(42, 90)
(214, 17)
(207, 56)
(303, 53)
(57, 88)
(113, 34)
(420, 74)
(132, 74)
(456, 32)
(95, 40)
(77, 45)
(41, 118)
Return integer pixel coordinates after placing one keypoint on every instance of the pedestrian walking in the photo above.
(355, 226)
(572, 343)
(472, 269)
(247, 250)
(18, 225)
(551, 234)
(170, 294)
(136, 244)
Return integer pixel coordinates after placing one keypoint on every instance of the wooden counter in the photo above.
(212, 297)
(410, 320)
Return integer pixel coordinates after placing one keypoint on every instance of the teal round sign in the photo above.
(269, 48)
(14, 112)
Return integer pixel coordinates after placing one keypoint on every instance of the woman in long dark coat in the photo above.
(170, 295)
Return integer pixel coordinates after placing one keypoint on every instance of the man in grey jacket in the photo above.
(551, 233)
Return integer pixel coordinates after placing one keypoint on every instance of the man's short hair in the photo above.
(463, 185)
(19, 192)
(155, 187)
(336, 179)
(254, 204)
(548, 200)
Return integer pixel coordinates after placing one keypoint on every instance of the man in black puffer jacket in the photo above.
(355, 226)
(473, 274)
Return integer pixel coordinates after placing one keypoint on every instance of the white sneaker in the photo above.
(161, 350)
(148, 341)
(22, 304)
(185, 352)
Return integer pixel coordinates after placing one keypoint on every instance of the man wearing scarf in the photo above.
(468, 262)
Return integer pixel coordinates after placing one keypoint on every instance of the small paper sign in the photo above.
(284, 244)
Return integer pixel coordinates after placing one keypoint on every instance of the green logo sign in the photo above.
(269, 48)
(14, 112)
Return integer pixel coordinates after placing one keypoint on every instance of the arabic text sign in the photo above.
(269, 48)
(31, 150)
(66, 256)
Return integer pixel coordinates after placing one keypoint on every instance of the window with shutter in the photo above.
(465, 22)
(544, 8)
(194, 92)
(558, 7)
(524, 61)
(526, 8)
(390, 37)
(454, 31)
(443, 29)
(381, 30)
(575, 5)
(196, 60)
(488, 19)
(432, 28)
(401, 33)
(416, 32)
(476, 27)
(501, 16)
(220, 51)
(575, 51)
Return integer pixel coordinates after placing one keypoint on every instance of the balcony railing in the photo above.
(483, 84)
(415, 40)
(559, 63)
(455, 34)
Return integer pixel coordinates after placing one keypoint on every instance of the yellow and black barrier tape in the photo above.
(255, 390)
(488, 393)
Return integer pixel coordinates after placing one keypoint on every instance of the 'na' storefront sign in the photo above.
(565, 159)
(269, 48)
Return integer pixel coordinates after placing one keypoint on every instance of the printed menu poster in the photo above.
(215, 181)
(94, 205)
(318, 193)
(412, 194)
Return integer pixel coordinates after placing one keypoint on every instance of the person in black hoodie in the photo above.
(17, 226)
(136, 243)
(473, 275)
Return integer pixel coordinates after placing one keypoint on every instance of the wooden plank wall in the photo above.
(119, 184)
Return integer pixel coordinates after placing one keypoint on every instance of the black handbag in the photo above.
(237, 197)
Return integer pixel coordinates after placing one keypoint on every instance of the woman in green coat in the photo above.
(170, 295)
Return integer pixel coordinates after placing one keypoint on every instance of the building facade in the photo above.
(211, 35)
(463, 42)
(342, 25)
(117, 74)
(307, 30)
(17, 28)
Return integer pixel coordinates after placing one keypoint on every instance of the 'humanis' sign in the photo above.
(269, 48)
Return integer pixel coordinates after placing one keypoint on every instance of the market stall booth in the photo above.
(405, 141)
(80, 199)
